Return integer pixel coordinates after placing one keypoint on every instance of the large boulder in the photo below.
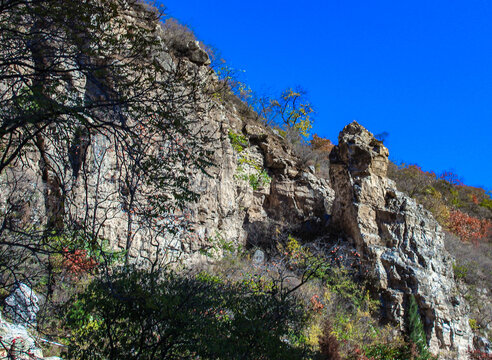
(18, 340)
(22, 306)
(401, 243)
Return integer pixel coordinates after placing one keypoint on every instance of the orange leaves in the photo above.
(321, 144)
(468, 228)
(316, 304)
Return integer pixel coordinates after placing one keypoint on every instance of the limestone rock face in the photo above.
(17, 342)
(22, 306)
(400, 241)
(54, 188)
(17, 337)
(229, 206)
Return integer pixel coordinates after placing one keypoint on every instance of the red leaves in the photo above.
(78, 262)
(451, 178)
(478, 355)
(468, 228)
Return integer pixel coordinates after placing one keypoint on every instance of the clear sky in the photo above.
(420, 70)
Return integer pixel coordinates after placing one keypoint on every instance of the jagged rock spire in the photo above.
(401, 243)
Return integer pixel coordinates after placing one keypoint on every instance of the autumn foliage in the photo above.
(464, 210)
(468, 228)
(78, 262)
(321, 144)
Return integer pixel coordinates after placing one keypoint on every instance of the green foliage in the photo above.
(141, 315)
(473, 324)
(415, 328)
(487, 203)
(238, 141)
(248, 170)
(388, 351)
(455, 198)
(218, 245)
(460, 271)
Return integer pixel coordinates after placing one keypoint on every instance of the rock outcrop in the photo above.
(400, 241)
(230, 206)
(22, 306)
(17, 338)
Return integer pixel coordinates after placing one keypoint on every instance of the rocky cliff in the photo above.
(255, 187)
(399, 239)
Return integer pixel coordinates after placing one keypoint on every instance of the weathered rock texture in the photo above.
(400, 241)
(230, 206)
(22, 306)
(17, 338)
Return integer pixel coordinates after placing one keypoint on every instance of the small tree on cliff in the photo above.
(291, 111)
(415, 328)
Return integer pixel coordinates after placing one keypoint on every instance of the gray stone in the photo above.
(22, 305)
(482, 344)
(400, 241)
(258, 257)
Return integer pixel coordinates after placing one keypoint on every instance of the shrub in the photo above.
(141, 315)
(460, 271)
(239, 142)
(328, 343)
(397, 351)
(468, 228)
(321, 144)
(177, 36)
(248, 169)
(77, 262)
(415, 328)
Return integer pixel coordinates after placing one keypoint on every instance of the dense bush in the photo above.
(468, 228)
(142, 315)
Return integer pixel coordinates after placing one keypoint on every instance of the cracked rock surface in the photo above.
(400, 241)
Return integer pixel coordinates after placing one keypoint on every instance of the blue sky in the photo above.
(420, 70)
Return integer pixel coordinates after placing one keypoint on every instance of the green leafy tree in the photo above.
(415, 328)
(291, 110)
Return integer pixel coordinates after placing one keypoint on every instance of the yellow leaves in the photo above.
(293, 245)
(291, 110)
(313, 335)
(290, 94)
(304, 126)
(473, 324)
